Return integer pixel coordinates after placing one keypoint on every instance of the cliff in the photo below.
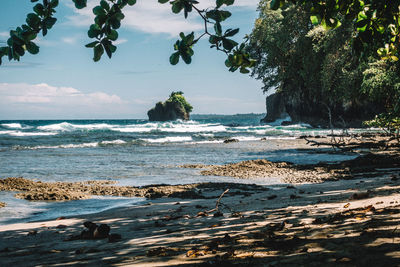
(308, 110)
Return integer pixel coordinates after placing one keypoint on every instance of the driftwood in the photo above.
(345, 141)
(218, 201)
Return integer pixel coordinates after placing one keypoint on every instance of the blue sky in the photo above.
(62, 81)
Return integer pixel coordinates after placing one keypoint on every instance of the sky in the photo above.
(63, 82)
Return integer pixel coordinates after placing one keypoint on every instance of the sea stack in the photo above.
(174, 108)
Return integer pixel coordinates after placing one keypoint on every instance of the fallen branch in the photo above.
(218, 201)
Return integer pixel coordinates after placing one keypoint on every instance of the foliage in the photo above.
(108, 18)
(375, 21)
(389, 122)
(177, 97)
(319, 66)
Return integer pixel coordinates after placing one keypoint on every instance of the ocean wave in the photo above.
(15, 125)
(22, 134)
(83, 145)
(66, 126)
(12, 125)
(114, 142)
(169, 139)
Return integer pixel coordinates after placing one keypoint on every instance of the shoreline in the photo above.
(352, 221)
(173, 231)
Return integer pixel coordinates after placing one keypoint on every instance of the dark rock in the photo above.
(313, 110)
(272, 197)
(167, 111)
(360, 195)
(275, 108)
(101, 232)
(286, 123)
(231, 140)
(88, 234)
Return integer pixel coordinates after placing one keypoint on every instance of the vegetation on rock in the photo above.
(179, 98)
(175, 107)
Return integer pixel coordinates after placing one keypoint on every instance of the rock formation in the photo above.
(275, 108)
(167, 111)
(309, 110)
(176, 107)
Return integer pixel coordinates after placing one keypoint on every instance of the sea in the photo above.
(137, 152)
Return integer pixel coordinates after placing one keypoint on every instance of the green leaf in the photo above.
(98, 10)
(174, 58)
(98, 52)
(219, 3)
(105, 5)
(94, 31)
(79, 4)
(100, 19)
(108, 50)
(244, 70)
(186, 58)
(33, 20)
(131, 2)
(32, 48)
(163, 1)
(18, 50)
(113, 35)
(39, 9)
(213, 39)
(315, 19)
(54, 3)
(230, 32)
(177, 7)
(218, 28)
(92, 44)
(49, 22)
(228, 44)
(275, 4)
(218, 15)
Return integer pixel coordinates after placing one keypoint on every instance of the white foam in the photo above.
(12, 125)
(66, 126)
(114, 142)
(170, 139)
(84, 145)
(247, 138)
(19, 133)
(134, 129)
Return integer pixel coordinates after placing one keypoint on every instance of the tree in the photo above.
(375, 21)
(108, 18)
(317, 69)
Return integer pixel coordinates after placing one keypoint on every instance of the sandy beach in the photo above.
(348, 217)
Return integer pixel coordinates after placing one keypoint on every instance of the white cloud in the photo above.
(43, 100)
(4, 34)
(69, 40)
(120, 41)
(151, 17)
